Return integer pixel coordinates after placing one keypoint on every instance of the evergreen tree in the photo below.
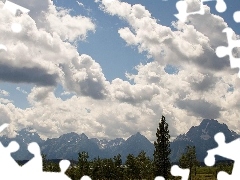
(145, 166)
(133, 170)
(97, 169)
(162, 151)
(189, 160)
(83, 164)
(118, 167)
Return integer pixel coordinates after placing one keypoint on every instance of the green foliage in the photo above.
(135, 168)
(132, 167)
(145, 166)
(83, 164)
(141, 166)
(162, 150)
(48, 165)
(189, 160)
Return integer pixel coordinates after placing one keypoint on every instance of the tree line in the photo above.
(135, 167)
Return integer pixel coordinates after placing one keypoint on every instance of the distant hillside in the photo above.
(69, 145)
(202, 137)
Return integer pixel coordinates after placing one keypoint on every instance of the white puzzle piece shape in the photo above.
(177, 171)
(33, 169)
(182, 9)
(228, 150)
(15, 10)
(222, 51)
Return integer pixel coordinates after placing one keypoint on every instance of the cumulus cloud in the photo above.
(200, 88)
(84, 76)
(42, 54)
(200, 108)
(58, 20)
(5, 101)
(125, 92)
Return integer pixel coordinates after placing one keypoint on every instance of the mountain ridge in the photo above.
(67, 146)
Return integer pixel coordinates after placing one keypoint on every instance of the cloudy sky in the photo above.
(113, 68)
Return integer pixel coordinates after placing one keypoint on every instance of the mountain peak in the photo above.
(137, 137)
(26, 130)
(83, 136)
(206, 121)
(138, 134)
(202, 137)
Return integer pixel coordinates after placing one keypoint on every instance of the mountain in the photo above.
(202, 137)
(134, 145)
(69, 145)
(105, 144)
(24, 137)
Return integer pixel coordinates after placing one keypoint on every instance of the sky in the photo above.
(111, 68)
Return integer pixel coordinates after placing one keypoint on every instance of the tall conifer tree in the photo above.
(162, 150)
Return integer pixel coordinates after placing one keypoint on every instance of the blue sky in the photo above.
(74, 55)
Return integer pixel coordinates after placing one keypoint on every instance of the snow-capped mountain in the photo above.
(108, 144)
(23, 137)
(69, 145)
(202, 137)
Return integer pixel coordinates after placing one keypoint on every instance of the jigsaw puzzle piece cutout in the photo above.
(236, 16)
(15, 10)
(159, 178)
(40, 175)
(3, 126)
(210, 159)
(227, 150)
(222, 51)
(86, 178)
(3, 47)
(223, 176)
(182, 6)
(5, 155)
(182, 11)
(64, 165)
(34, 165)
(221, 6)
(9, 165)
(177, 171)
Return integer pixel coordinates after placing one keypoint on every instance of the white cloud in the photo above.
(69, 28)
(4, 93)
(200, 87)
(84, 76)
(118, 109)
(65, 93)
(42, 57)
(21, 90)
(58, 20)
(125, 92)
(80, 4)
(5, 101)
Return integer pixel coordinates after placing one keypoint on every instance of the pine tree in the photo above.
(162, 150)
(189, 160)
(83, 164)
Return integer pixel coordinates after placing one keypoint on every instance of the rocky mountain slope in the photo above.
(202, 137)
(69, 145)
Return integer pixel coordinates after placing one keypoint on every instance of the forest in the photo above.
(141, 166)
(136, 167)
